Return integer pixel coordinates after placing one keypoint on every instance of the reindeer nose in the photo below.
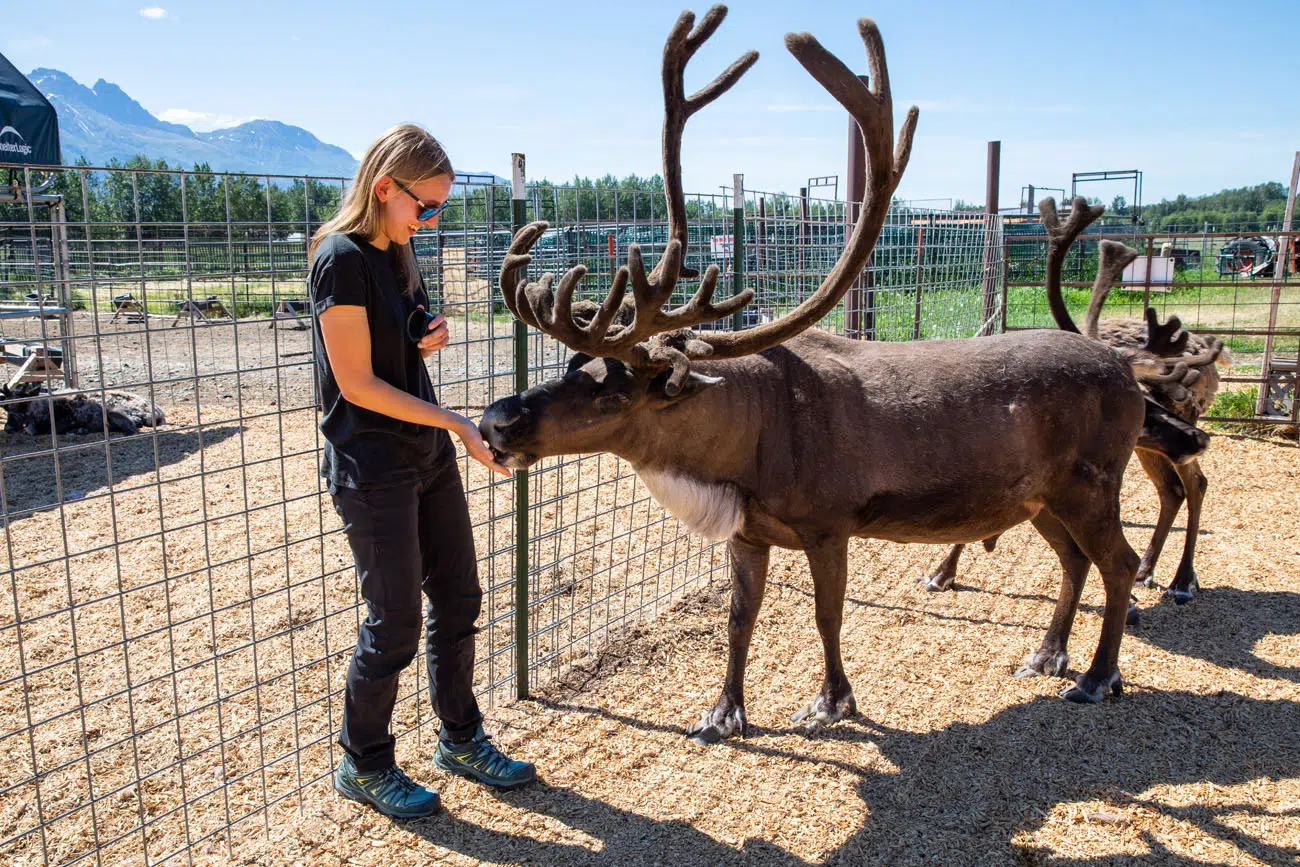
(498, 417)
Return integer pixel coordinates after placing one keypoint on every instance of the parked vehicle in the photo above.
(1248, 257)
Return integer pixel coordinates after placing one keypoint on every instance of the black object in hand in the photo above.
(417, 324)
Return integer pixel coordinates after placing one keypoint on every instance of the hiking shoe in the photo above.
(479, 759)
(389, 791)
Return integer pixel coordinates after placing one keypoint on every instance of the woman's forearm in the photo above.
(378, 396)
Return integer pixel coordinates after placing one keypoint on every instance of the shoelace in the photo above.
(483, 747)
(393, 778)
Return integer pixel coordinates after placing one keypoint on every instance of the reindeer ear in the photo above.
(578, 360)
(694, 384)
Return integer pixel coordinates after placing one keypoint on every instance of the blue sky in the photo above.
(1198, 95)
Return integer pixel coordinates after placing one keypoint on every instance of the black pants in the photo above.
(406, 539)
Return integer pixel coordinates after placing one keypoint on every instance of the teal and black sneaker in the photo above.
(479, 759)
(389, 791)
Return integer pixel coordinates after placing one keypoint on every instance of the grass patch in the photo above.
(1240, 404)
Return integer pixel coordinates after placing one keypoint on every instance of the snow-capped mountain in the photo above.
(102, 123)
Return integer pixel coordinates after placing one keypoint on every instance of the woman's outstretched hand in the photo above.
(477, 449)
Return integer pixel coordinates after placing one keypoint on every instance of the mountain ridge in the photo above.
(103, 123)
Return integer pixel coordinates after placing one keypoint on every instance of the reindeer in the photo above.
(1179, 377)
(781, 435)
(30, 409)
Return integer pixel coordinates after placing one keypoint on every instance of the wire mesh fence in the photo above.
(177, 602)
(1238, 286)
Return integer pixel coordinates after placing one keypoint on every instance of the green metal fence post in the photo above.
(518, 214)
(737, 242)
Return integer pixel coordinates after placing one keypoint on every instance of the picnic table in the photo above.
(37, 359)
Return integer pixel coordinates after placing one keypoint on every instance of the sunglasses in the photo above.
(427, 212)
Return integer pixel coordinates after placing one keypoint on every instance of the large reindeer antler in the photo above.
(680, 47)
(662, 339)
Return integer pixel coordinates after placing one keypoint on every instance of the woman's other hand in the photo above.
(437, 337)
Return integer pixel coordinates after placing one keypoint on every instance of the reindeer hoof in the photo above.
(937, 581)
(823, 711)
(1134, 616)
(1147, 579)
(716, 725)
(1183, 592)
(1045, 662)
(1086, 691)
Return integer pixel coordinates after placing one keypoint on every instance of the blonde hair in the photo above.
(408, 154)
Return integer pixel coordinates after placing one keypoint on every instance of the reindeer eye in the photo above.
(611, 403)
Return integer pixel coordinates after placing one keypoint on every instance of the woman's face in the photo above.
(399, 210)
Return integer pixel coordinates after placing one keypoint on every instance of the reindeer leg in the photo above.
(748, 581)
(1194, 483)
(829, 563)
(1165, 476)
(1051, 658)
(942, 577)
(1096, 525)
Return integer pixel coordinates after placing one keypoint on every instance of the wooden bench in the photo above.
(128, 304)
(292, 309)
(199, 308)
(36, 361)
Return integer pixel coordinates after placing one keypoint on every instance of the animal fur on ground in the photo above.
(76, 412)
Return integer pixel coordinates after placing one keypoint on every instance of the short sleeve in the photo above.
(338, 276)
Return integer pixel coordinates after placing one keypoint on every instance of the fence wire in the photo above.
(177, 601)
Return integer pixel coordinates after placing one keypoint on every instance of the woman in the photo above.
(392, 472)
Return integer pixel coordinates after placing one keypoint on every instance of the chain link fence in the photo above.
(177, 601)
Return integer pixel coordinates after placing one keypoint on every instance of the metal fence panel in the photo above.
(1237, 285)
(178, 604)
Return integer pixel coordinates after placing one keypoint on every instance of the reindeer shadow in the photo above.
(1002, 777)
(38, 476)
(1223, 626)
(962, 794)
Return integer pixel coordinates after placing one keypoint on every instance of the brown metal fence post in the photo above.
(803, 231)
(1006, 281)
(855, 191)
(1279, 275)
(920, 258)
(992, 178)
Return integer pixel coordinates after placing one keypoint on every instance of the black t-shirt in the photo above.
(365, 449)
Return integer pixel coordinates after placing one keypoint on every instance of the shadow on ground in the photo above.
(981, 784)
(39, 473)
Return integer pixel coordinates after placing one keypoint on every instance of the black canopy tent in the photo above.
(29, 126)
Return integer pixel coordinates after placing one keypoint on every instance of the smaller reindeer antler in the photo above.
(1167, 339)
(1111, 262)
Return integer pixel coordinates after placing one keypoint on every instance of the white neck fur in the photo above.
(709, 509)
